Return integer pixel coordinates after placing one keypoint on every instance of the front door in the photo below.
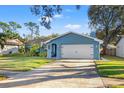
(54, 50)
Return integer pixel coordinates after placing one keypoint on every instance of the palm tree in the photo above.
(33, 28)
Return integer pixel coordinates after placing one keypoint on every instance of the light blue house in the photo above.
(73, 45)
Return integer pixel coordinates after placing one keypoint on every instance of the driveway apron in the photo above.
(61, 74)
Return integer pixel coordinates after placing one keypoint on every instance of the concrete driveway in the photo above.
(61, 74)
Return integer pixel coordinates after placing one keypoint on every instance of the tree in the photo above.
(109, 19)
(14, 26)
(2, 40)
(12, 35)
(100, 34)
(4, 26)
(34, 28)
(46, 13)
(9, 31)
(54, 35)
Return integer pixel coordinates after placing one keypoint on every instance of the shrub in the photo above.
(43, 54)
(22, 50)
(33, 50)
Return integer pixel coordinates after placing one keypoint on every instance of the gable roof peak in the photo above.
(73, 33)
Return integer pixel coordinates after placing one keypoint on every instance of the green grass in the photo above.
(117, 86)
(2, 77)
(21, 63)
(113, 68)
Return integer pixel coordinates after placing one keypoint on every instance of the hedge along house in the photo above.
(73, 46)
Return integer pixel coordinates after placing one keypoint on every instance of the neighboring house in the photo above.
(120, 47)
(73, 45)
(11, 46)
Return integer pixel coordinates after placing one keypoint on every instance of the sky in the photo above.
(70, 19)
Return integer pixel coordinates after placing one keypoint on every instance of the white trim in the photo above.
(76, 34)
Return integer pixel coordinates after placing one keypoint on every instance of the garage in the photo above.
(77, 51)
(72, 45)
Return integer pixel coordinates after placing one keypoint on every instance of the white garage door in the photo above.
(77, 51)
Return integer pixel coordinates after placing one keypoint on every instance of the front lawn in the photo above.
(21, 63)
(2, 77)
(114, 68)
(117, 86)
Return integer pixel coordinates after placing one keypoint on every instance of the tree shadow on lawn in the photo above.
(12, 59)
(18, 58)
(6, 59)
(109, 70)
(80, 73)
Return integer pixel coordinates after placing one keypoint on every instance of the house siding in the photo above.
(120, 48)
(73, 39)
(9, 48)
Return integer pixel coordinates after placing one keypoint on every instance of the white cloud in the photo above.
(58, 16)
(73, 26)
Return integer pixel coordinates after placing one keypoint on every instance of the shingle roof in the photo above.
(13, 42)
(98, 40)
